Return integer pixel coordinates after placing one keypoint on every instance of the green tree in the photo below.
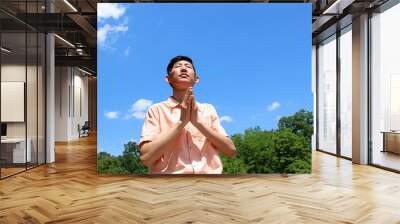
(277, 151)
(253, 149)
(109, 164)
(286, 150)
(128, 163)
(293, 152)
(131, 159)
(233, 165)
(301, 123)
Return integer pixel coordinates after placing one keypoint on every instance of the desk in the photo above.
(18, 151)
(391, 141)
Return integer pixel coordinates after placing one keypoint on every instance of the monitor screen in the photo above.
(3, 129)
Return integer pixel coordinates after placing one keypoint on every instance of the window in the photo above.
(327, 95)
(23, 88)
(346, 92)
(385, 88)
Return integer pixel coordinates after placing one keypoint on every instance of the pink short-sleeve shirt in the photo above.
(192, 152)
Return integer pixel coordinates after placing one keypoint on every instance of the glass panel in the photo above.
(13, 87)
(32, 73)
(31, 101)
(386, 89)
(346, 92)
(22, 88)
(327, 95)
(41, 98)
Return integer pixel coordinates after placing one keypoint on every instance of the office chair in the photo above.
(84, 130)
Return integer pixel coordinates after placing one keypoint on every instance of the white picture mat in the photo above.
(12, 101)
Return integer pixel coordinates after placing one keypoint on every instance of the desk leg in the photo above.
(384, 142)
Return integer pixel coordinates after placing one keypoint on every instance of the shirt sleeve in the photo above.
(215, 122)
(151, 126)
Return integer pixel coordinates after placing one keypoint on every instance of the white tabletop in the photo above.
(13, 140)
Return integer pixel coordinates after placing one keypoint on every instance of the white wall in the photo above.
(17, 73)
(70, 94)
(80, 102)
(61, 103)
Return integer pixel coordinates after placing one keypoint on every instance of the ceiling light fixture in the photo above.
(70, 5)
(64, 40)
(5, 50)
(337, 7)
(84, 71)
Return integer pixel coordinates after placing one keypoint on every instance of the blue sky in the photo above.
(253, 60)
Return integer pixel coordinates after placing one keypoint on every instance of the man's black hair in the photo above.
(179, 58)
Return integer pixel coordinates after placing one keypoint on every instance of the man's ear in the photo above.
(167, 80)
(197, 79)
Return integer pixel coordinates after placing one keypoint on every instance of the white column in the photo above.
(50, 93)
(360, 90)
(50, 100)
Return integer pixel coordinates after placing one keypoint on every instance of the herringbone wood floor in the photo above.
(70, 191)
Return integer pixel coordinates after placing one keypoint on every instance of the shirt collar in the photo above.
(172, 102)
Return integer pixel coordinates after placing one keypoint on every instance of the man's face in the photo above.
(182, 75)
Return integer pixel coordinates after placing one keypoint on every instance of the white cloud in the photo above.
(273, 106)
(138, 109)
(108, 10)
(104, 32)
(141, 105)
(109, 31)
(112, 114)
(139, 115)
(225, 119)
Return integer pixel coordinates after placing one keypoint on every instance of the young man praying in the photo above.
(181, 135)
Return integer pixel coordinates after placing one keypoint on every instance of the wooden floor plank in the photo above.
(71, 191)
